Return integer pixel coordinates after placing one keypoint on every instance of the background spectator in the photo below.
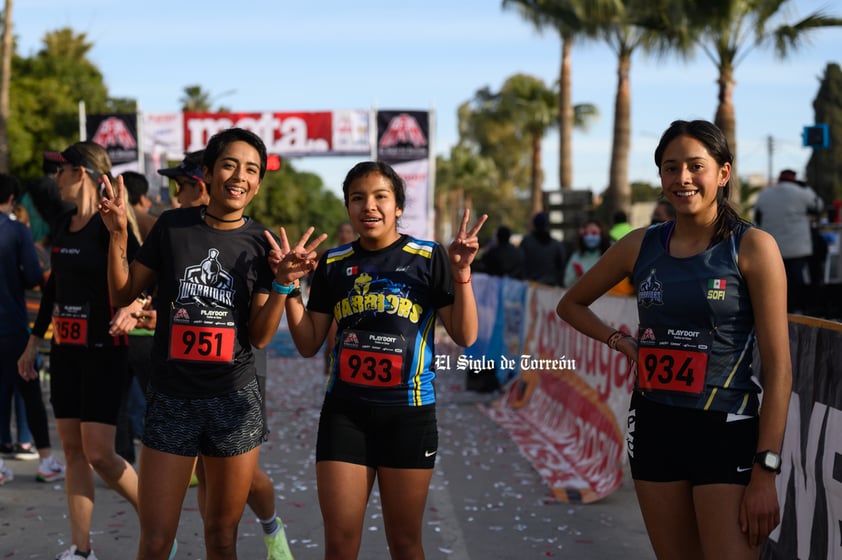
(621, 225)
(664, 211)
(503, 258)
(544, 257)
(785, 210)
(592, 243)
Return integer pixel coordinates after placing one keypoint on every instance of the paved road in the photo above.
(486, 501)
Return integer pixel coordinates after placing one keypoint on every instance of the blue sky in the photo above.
(322, 55)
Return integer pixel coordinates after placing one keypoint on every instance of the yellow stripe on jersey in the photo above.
(416, 248)
(339, 253)
(419, 359)
(733, 372)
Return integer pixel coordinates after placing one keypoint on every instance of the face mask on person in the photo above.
(591, 240)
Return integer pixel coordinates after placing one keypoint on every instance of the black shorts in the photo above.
(400, 437)
(87, 383)
(670, 443)
(260, 366)
(220, 426)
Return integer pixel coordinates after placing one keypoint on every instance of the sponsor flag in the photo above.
(716, 284)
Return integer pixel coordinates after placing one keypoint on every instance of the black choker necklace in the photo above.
(209, 215)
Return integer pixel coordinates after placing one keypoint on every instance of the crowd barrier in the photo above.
(565, 398)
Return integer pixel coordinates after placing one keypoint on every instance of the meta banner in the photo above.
(286, 134)
(294, 134)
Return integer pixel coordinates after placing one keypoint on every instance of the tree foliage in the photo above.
(531, 107)
(469, 179)
(5, 76)
(726, 31)
(489, 130)
(296, 200)
(507, 126)
(571, 20)
(496, 166)
(45, 93)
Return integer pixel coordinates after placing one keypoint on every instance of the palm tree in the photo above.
(567, 17)
(195, 99)
(531, 107)
(619, 30)
(727, 30)
(468, 180)
(616, 23)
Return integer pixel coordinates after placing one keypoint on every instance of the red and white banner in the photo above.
(403, 141)
(287, 134)
(566, 411)
(163, 136)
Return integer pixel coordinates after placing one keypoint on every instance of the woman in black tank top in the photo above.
(703, 459)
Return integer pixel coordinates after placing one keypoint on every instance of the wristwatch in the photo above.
(769, 460)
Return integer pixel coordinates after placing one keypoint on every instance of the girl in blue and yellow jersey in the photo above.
(385, 292)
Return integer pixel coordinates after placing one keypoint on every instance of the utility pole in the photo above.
(770, 146)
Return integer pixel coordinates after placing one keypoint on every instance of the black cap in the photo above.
(190, 166)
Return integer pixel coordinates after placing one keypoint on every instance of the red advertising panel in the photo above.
(285, 134)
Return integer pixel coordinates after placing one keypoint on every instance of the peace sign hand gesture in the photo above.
(290, 264)
(112, 207)
(466, 244)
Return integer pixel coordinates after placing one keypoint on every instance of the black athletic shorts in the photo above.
(400, 437)
(220, 426)
(87, 383)
(260, 365)
(670, 443)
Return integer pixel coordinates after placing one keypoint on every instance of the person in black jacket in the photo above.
(503, 258)
(545, 257)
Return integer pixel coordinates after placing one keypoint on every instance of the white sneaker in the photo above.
(6, 474)
(70, 554)
(50, 470)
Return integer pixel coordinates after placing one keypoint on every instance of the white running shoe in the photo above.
(6, 474)
(70, 554)
(50, 470)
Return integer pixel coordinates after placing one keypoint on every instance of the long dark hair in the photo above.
(717, 146)
(364, 168)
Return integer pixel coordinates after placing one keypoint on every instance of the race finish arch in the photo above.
(403, 138)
